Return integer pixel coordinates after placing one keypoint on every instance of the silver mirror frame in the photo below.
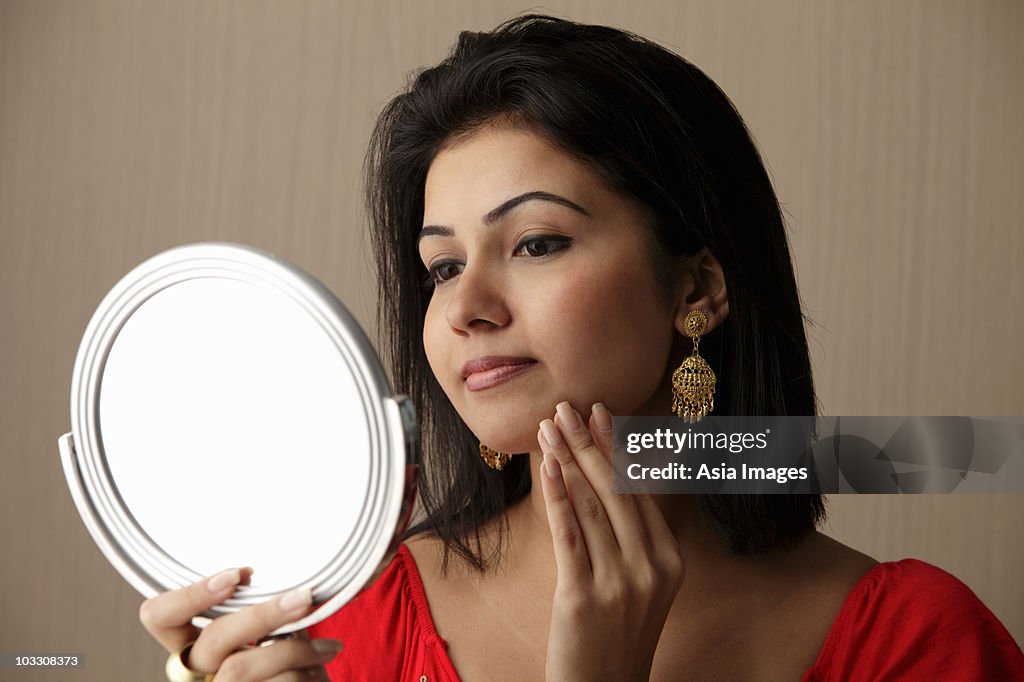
(391, 423)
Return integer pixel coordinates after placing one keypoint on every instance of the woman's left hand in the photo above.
(619, 566)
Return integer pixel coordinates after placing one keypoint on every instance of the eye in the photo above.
(440, 272)
(535, 247)
(550, 245)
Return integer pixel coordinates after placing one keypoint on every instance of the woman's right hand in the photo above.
(618, 565)
(222, 646)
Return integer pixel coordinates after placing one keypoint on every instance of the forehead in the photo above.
(480, 169)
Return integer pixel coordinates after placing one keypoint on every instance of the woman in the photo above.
(550, 206)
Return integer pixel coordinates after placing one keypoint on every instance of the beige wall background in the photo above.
(892, 131)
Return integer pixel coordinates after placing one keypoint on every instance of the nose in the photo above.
(477, 301)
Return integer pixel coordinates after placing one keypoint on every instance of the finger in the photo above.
(600, 424)
(285, 656)
(601, 427)
(602, 548)
(571, 555)
(658, 534)
(649, 538)
(654, 522)
(230, 633)
(624, 518)
(168, 616)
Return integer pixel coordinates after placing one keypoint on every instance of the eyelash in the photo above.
(562, 243)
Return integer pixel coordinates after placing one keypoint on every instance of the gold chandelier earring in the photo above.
(495, 460)
(693, 382)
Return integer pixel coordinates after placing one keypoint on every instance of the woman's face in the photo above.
(561, 278)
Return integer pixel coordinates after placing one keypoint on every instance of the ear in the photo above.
(702, 286)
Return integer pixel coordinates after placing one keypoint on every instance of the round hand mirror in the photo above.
(227, 410)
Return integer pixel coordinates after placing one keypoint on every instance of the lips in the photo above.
(492, 370)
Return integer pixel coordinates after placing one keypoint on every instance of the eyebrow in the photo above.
(504, 209)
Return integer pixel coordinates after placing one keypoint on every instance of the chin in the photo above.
(512, 430)
(511, 445)
(497, 435)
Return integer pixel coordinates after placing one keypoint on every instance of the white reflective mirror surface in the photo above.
(226, 410)
(233, 430)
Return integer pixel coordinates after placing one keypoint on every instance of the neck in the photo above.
(528, 518)
(530, 530)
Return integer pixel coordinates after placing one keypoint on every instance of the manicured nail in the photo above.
(326, 647)
(570, 419)
(551, 434)
(551, 467)
(602, 417)
(295, 600)
(224, 580)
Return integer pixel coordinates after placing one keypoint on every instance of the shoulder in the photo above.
(912, 619)
(911, 593)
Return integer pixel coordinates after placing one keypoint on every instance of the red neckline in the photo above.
(431, 636)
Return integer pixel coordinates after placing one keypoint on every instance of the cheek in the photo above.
(607, 337)
(433, 344)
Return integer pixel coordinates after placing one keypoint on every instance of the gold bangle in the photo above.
(177, 671)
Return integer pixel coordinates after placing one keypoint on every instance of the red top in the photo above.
(905, 620)
(387, 632)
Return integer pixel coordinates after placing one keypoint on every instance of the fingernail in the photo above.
(326, 647)
(602, 417)
(551, 467)
(224, 580)
(570, 419)
(296, 599)
(551, 434)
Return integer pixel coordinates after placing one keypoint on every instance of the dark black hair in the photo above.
(658, 131)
